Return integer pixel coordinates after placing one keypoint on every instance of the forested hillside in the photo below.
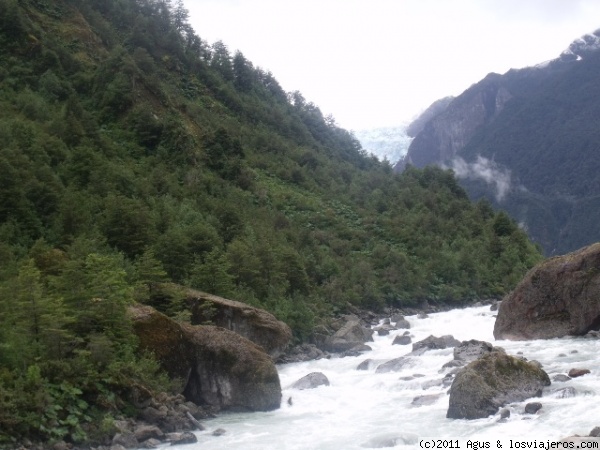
(136, 158)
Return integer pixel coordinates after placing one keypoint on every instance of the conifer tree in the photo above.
(149, 273)
(212, 274)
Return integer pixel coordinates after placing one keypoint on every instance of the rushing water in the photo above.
(364, 409)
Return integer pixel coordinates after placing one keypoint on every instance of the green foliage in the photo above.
(212, 274)
(66, 346)
(149, 275)
(224, 154)
(12, 22)
(143, 158)
(59, 422)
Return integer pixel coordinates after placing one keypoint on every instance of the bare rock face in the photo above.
(574, 373)
(402, 340)
(302, 352)
(441, 138)
(433, 343)
(423, 400)
(396, 364)
(558, 297)
(311, 381)
(532, 407)
(219, 367)
(434, 110)
(403, 323)
(469, 351)
(257, 325)
(492, 381)
(351, 334)
(231, 372)
(418, 348)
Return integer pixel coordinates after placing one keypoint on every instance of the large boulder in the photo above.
(311, 381)
(402, 340)
(429, 343)
(433, 343)
(468, 351)
(302, 352)
(492, 381)
(396, 364)
(257, 325)
(558, 297)
(218, 367)
(351, 334)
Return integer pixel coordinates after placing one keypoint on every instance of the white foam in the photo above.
(364, 408)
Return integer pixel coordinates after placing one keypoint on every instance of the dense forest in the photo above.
(136, 158)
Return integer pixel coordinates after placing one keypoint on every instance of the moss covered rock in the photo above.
(558, 297)
(492, 381)
(218, 367)
(257, 325)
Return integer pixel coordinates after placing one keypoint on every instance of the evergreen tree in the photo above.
(243, 72)
(211, 274)
(221, 61)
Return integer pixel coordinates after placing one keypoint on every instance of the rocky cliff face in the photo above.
(447, 133)
(525, 141)
(434, 110)
(218, 367)
(558, 297)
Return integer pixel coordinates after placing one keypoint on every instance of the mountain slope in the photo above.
(137, 158)
(527, 140)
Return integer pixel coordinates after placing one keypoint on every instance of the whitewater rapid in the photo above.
(363, 409)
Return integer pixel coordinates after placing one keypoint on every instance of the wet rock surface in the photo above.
(349, 335)
(468, 351)
(432, 343)
(492, 381)
(311, 381)
(576, 372)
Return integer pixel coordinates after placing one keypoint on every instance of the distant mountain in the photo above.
(389, 143)
(528, 140)
(434, 110)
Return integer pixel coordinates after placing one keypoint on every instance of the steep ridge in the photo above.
(527, 140)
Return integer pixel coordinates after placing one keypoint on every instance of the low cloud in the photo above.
(486, 170)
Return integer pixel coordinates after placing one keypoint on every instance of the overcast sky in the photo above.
(374, 63)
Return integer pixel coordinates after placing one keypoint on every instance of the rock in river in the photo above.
(433, 342)
(311, 381)
(351, 334)
(492, 381)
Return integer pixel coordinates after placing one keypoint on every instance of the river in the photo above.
(363, 409)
